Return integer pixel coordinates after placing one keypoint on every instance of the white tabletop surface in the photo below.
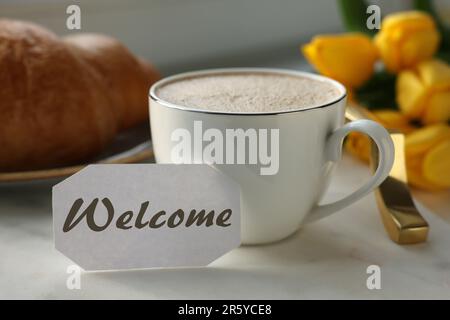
(325, 260)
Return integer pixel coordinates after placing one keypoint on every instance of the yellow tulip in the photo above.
(427, 149)
(430, 175)
(410, 94)
(416, 178)
(407, 38)
(347, 58)
(424, 93)
(428, 157)
(359, 144)
(436, 166)
(422, 140)
(395, 120)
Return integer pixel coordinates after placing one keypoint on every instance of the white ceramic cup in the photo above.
(310, 142)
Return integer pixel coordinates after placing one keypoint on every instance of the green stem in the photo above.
(354, 16)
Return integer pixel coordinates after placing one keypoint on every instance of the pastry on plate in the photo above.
(62, 100)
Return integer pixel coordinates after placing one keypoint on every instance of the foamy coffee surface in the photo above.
(247, 92)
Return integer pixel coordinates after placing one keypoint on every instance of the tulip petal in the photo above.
(414, 169)
(311, 53)
(438, 108)
(358, 145)
(392, 119)
(348, 58)
(411, 94)
(418, 47)
(434, 73)
(417, 180)
(422, 140)
(437, 164)
(411, 19)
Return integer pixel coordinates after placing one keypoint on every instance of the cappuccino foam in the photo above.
(249, 92)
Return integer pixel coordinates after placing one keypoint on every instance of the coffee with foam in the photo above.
(249, 92)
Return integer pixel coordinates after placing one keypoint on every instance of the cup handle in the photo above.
(333, 152)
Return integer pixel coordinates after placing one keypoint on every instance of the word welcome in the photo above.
(125, 220)
(249, 146)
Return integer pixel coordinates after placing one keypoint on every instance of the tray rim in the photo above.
(136, 154)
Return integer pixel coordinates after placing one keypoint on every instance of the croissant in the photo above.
(126, 76)
(62, 100)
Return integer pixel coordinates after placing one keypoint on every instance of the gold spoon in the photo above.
(402, 221)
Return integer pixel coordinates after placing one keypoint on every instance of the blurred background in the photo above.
(178, 35)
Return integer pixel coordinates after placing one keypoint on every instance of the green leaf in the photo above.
(354, 16)
(444, 55)
(378, 92)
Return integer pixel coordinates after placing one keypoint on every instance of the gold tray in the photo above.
(130, 146)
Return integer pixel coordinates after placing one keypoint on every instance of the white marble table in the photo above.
(326, 260)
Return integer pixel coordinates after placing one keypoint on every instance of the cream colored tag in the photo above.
(133, 216)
